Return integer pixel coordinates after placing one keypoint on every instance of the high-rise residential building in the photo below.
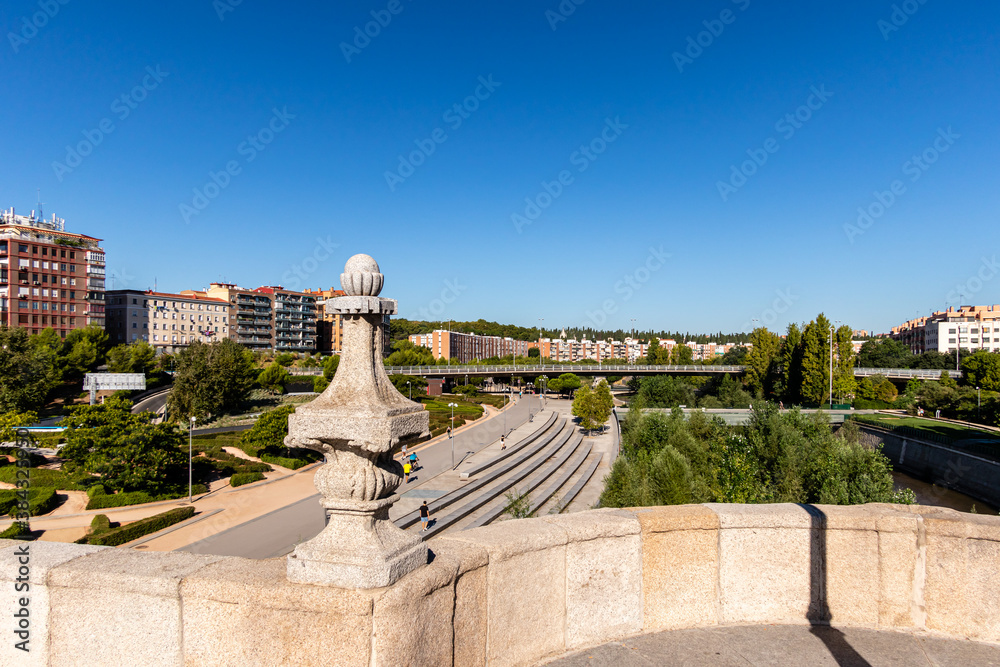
(252, 315)
(294, 319)
(49, 277)
(469, 347)
(971, 327)
(329, 326)
(169, 322)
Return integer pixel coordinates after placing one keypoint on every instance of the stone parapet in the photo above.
(521, 591)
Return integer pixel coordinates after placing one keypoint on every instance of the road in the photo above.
(277, 533)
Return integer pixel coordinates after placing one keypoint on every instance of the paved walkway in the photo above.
(802, 646)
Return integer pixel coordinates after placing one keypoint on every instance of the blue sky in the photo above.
(312, 123)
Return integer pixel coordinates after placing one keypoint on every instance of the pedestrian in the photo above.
(425, 515)
(781, 405)
(449, 432)
(413, 461)
(404, 451)
(406, 471)
(503, 442)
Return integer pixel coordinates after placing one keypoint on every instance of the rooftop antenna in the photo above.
(41, 216)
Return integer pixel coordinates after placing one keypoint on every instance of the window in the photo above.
(155, 338)
(72, 268)
(21, 247)
(134, 325)
(34, 250)
(134, 302)
(62, 254)
(72, 255)
(951, 340)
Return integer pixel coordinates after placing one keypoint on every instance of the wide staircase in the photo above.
(551, 465)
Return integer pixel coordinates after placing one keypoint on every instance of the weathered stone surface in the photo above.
(901, 576)
(945, 586)
(471, 606)
(107, 605)
(41, 558)
(676, 517)
(983, 589)
(526, 589)
(775, 543)
(245, 612)
(852, 577)
(603, 575)
(680, 574)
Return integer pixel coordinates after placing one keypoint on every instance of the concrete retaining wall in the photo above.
(937, 464)
(520, 591)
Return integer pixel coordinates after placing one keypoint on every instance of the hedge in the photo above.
(239, 479)
(15, 530)
(100, 524)
(119, 500)
(96, 490)
(133, 531)
(291, 464)
(41, 500)
(43, 477)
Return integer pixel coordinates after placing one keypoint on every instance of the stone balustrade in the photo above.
(520, 591)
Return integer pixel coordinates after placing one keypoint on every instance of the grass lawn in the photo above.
(440, 412)
(943, 429)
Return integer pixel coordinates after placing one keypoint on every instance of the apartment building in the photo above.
(970, 327)
(329, 326)
(294, 319)
(49, 277)
(252, 314)
(572, 350)
(469, 347)
(169, 322)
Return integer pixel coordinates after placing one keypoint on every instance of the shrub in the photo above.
(41, 500)
(268, 431)
(119, 500)
(320, 384)
(239, 479)
(16, 530)
(308, 457)
(100, 524)
(96, 490)
(137, 529)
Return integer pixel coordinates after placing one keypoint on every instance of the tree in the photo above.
(320, 384)
(284, 358)
(406, 353)
(682, 355)
(128, 451)
(982, 369)
(84, 350)
(761, 361)
(10, 421)
(268, 431)
(792, 364)
(211, 379)
(566, 383)
(137, 357)
(736, 356)
(884, 353)
(653, 352)
(844, 383)
(274, 378)
(816, 360)
(330, 366)
(25, 375)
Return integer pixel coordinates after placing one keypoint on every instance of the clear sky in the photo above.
(592, 143)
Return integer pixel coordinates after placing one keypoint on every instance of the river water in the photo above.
(932, 494)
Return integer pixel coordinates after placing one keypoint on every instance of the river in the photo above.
(932, 494)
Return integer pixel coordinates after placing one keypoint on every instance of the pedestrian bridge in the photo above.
(555, 370)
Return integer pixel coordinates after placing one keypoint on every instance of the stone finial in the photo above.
(361, 276)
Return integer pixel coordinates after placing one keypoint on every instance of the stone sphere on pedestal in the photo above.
(361, 276)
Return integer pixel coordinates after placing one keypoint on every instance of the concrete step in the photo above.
(511, 449)
(588, 472)
(475, 485)
(518, 471)
(568, 472)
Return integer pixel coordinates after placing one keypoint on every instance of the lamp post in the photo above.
(190, 457)
(540, 320)
(831, 367)
(451, 435)
(410, 387)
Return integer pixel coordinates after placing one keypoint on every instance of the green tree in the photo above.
(844, 383)
(25, 375)
(274, 378)
(762, 361)
(284, 358)
(815, 360)
(982, 369)
(653, 352)
(211, 379)
(268, 431)
(791, 353)
(320, 384)
(884, 353)
(330, 366)
(735, 357)
(566, 383)
(126, 450)
(10, 421)
(137, 357)
(84, 350)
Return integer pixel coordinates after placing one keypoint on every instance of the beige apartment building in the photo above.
(252, 314)
(329, 326)
(168, 322)
(971, 327)
(469, 347)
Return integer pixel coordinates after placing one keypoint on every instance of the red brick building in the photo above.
(49, 277)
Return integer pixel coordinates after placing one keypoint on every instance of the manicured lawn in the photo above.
(944, 429)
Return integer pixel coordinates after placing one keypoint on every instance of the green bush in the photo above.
(16, 530)
(100, 524)
(96, 490)
(307, 457)
(133, 531)
(119, 500)
(866, 404)
(242, 478)
(269, 430)
(45, 477)
(320, 384)
(41, 500)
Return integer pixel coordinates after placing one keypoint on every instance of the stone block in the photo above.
(901, 576)
(603, 576)
(777, 545)
(526, 589)
(41, 558)
(945, 585)
(983, 593)
(471, 606)
(676, 517)
(245, 612)
(852, 577)
(412, 620)
(118, 606)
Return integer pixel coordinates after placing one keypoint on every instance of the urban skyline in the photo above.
(709, 166)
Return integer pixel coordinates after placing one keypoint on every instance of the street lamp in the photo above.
(451, 434)
(831, 367)
(190, 456)
(410, 387)
(540, 320)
